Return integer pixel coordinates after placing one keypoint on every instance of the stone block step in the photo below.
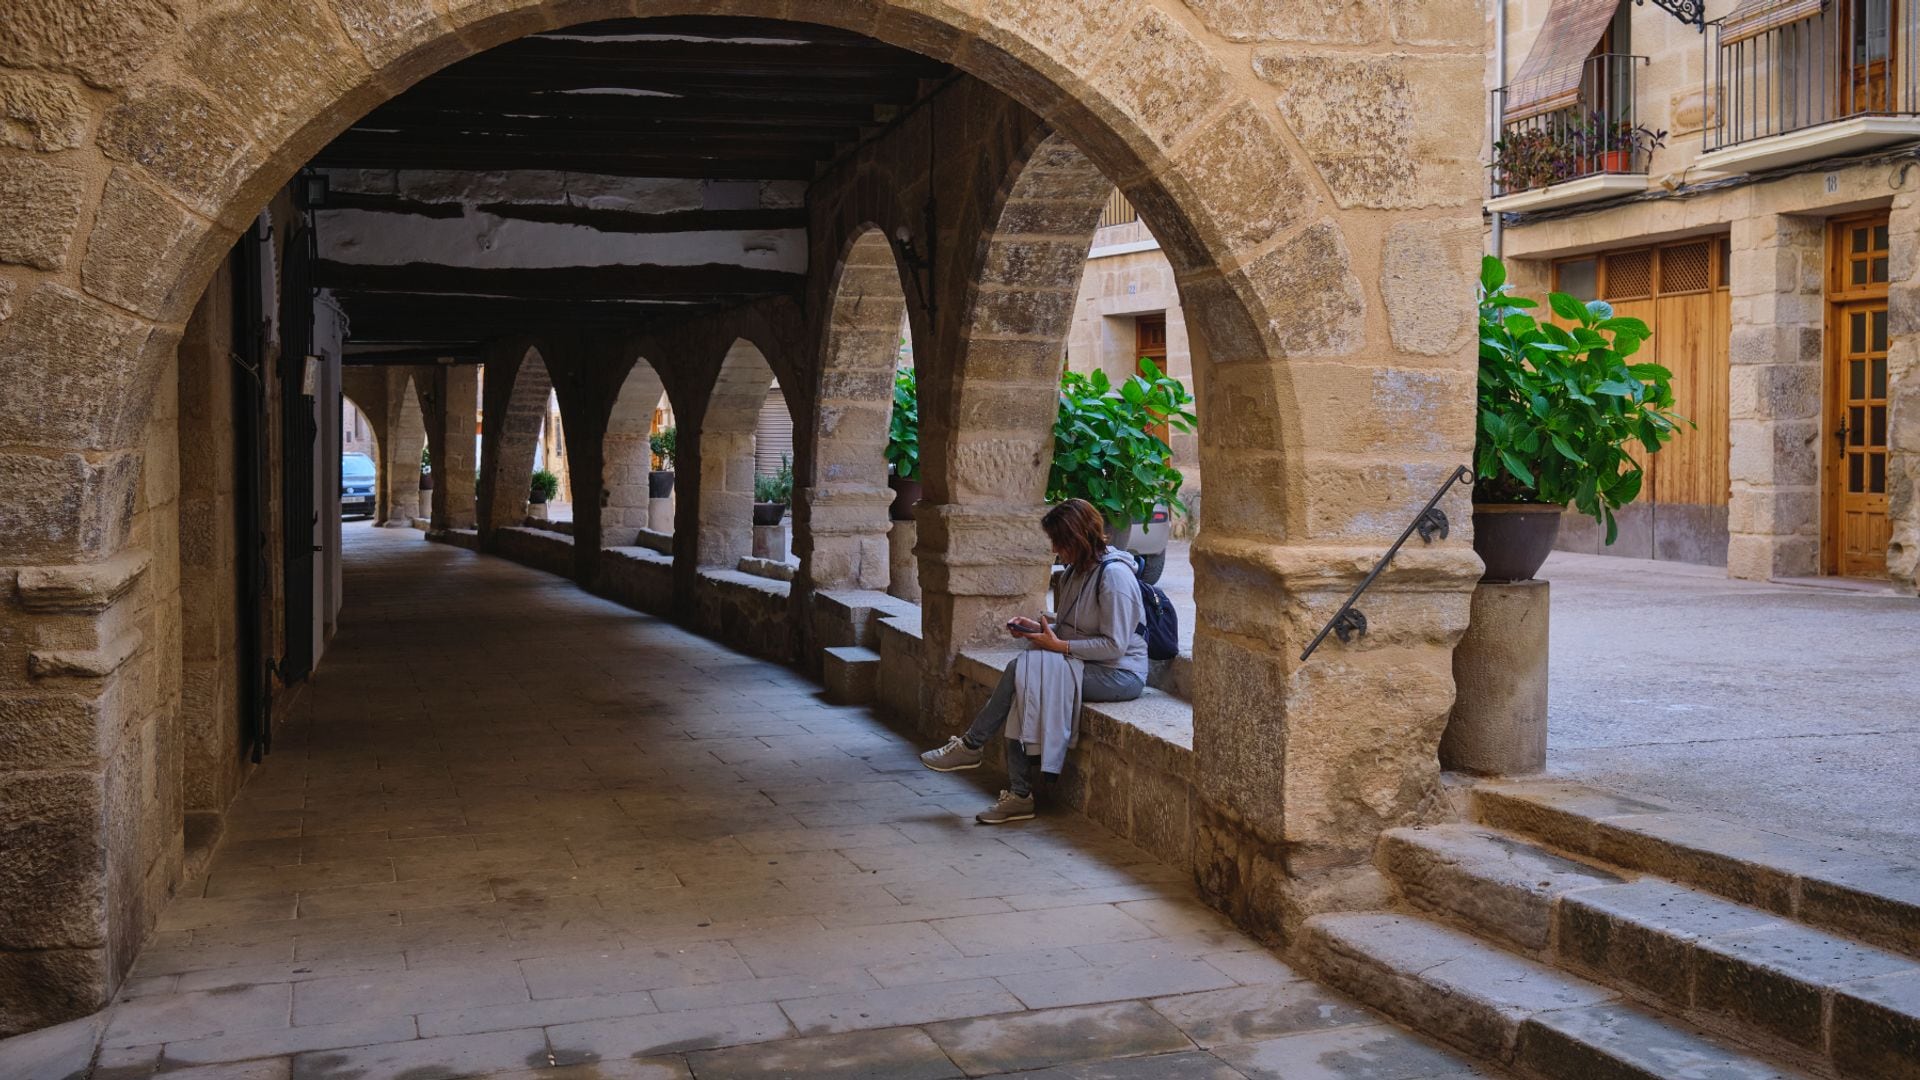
(851, 674)
(1756, 975)
(1510, 1010)
(1859, 894)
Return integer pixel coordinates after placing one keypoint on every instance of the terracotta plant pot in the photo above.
(1514, 539)
(905, 494)
(1616, 161)
(768, 513)
(659, 483)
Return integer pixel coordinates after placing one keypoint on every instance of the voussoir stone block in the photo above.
(101, 354)
(1313, 301)
(272, 63)
(102, 41)
(1168, 97)
(40, 202)
(184, 139)
(1244, 211)
(386, 30)
(38, 113)
(1347, 22)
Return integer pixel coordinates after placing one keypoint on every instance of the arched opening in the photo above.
(359, 461)
(846, 543)
(628, 452)
(524, 391)
(726, 449)
(241, 98)
(402, 498)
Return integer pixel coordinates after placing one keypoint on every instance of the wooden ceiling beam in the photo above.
(483, 158)
(702, 282)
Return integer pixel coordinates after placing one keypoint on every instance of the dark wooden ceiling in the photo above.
(690, 97)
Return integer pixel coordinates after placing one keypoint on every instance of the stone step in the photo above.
(1512, 1011)
(1753, 974)
(1858, 894)
(851, 674)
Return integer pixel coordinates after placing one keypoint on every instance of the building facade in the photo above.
(1740, 176)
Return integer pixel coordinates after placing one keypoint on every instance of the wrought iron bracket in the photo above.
(1348, 623)
(1690, 12)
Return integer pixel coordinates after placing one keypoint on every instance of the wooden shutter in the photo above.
(1549, 78)
(773, 436)
(1755, 17)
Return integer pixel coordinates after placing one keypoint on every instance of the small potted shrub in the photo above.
(426, 481)
(1529, 158)
(1610, 146)
(660, 480)
(903, 446)
(771, 493)
(1105, 451)
(544, 487)
(1560, 407)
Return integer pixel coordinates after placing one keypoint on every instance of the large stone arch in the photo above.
(518, 387)
(840, 515)
(628, 454)
(724, 454)
(1325, 400)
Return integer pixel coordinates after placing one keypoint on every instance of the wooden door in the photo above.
(1150, 343)
(1857, 529)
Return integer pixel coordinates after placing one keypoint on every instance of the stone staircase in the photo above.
(1570, 932)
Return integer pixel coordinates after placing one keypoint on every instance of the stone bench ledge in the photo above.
(1154, 730)
(734, 579)
(639, 555)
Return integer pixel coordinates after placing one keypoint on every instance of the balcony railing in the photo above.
(1599, 133)
(1853, 58)
(1119, 211)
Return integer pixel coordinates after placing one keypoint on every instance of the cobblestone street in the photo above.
(517, 830)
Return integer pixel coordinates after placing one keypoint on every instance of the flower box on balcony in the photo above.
(1837, 139)
(1586, 189)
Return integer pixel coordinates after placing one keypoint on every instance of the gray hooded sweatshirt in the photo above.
(1101, 617)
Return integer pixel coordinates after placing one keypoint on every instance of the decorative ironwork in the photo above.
(1349, 622)
(1690, 12)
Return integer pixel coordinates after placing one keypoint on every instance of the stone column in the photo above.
(1903, 391)
(455, 388)
(724, 460)
(1777, 359)
(400, 453)
(903, 579)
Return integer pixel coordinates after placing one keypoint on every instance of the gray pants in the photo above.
(1097, 683)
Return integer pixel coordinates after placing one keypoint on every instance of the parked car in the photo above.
(357, 476)
(1146, 541)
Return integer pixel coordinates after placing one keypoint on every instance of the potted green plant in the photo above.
(544, 487)
(426, 481)
(1611, 146)
(771, 492)
(1105, 451)
(660, 480)
(1533, 157)
(903, 446)
(1559, 409)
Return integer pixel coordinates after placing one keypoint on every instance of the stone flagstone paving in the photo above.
(515, 830)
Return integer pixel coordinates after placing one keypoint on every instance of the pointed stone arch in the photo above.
(628, 454)
(406, 425)
(518, 388)
(841, 517)
(725, 454)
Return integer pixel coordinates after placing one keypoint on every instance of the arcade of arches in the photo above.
(614, 201)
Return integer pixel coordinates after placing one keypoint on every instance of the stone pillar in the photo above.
(1777, 358)
(834, 535)
(724, 460)
(400, 452)
(455, 390)
(903, 577)
(770, 542)
(1903, 391)
(660, 515)
(1499, 721)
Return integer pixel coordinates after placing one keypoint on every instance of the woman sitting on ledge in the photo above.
(1095, 649)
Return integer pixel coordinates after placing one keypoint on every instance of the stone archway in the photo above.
(1278, 221)
(725, 455)
(406, 437)
(844, 541)
(517, 395)
(628, 455)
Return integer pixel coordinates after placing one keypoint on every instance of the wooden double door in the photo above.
(1856, 527)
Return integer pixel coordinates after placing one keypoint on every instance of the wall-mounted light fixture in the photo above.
(312, 188)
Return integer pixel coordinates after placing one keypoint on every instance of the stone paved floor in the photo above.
(521, 831)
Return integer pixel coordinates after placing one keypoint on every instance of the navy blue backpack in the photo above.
(1162, 628)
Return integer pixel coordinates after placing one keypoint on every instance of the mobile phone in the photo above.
(1022, 626)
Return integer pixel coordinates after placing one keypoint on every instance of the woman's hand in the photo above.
(1045, 639)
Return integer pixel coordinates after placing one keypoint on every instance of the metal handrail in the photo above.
(1429, 522)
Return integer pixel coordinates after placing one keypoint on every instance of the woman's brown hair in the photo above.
(1078, 530)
